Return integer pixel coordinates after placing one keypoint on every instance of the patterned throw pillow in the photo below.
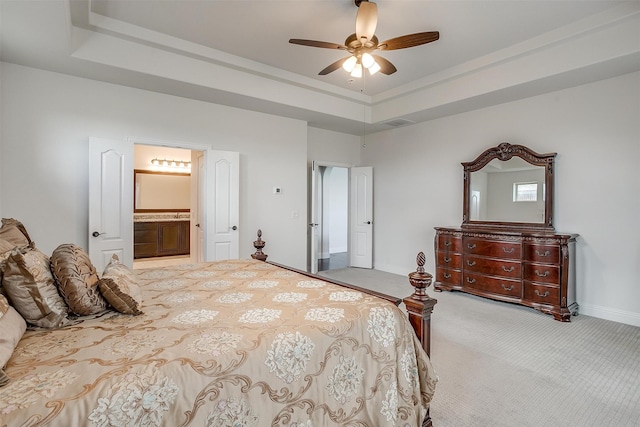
(31, 289)
(14, 232)
(120, 287)
(13, 327)
(77, 280)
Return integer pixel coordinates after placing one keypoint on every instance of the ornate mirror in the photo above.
(509, 186)
(161, 191)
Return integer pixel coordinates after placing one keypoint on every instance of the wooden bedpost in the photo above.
(259, 244)
(420, 305)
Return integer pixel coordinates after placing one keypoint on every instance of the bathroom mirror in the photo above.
(161, 191)
(509, 186)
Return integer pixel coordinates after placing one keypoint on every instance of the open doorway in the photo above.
(164, 214)
(333, 218)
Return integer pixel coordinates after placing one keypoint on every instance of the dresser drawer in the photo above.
(450, 277)
(449, 260)
(449, 243)
(542, 253)
(494, 267)
(494, 249)
(541, 294)
(542, 273)
(494, 285)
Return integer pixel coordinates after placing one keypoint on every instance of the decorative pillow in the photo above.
(120, 287)
(77, 280)
(14, 232)
(13, 327)
(31, 289)
(5, 250)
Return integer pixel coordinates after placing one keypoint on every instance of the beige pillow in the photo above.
(14, 232)
(120, 287)
(31, 289)
(77, 280)
(12, 328)
(5, 250)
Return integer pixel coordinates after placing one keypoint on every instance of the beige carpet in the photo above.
(501, 364)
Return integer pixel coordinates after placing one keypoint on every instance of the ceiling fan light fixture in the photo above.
(350, 64)
(374, 68)
(367, 60)
(357, 71)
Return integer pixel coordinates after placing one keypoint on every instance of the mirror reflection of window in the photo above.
(525, 191)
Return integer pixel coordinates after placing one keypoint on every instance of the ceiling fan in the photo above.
(364, 42)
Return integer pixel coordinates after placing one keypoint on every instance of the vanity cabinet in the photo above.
(160, 238)
(528, 268)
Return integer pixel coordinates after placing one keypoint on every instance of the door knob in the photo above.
(368, 222)
(234, 228)
(96, 234)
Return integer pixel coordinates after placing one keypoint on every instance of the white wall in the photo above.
(338, 210)
(47, 119)
(333, 147)
(594, 128)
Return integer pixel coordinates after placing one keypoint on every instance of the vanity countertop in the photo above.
(168, 216)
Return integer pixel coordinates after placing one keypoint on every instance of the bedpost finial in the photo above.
(420, 279)
(420, 260)
(259, 244)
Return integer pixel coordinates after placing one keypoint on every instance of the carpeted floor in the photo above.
(501, 364)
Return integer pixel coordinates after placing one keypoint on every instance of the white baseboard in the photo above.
(338, 249)
(608, 313)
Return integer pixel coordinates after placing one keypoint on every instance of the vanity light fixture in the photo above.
(174, 164)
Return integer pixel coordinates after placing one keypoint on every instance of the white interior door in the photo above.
(198, 176)
(222, 188)
(361, 213)
(110, 201)
(314, 220)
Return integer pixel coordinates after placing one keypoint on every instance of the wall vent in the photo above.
(398, 122)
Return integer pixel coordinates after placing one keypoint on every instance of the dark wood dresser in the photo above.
(160, 238)
(536, 269)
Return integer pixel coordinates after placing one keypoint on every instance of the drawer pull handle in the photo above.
(510, 288)
(470, 280)
(545, 274)
(471, 245)
(447, 243)
(540, 294)
(508, 251)
(446, 275)
(447, 260)
(545, 253)
(471, 263)
(508, 270)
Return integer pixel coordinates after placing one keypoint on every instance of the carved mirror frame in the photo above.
(504, 152)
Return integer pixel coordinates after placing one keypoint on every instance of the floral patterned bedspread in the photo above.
(233, 343)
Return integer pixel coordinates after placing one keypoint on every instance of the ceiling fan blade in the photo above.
(366, 20)
(315, 43)
(331, 68)
(386, 67)
(410, 40)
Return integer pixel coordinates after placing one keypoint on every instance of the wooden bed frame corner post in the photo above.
(419, 308)
(420, 305)
(259, 244)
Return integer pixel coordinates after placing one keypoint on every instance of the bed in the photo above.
(226, 343)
